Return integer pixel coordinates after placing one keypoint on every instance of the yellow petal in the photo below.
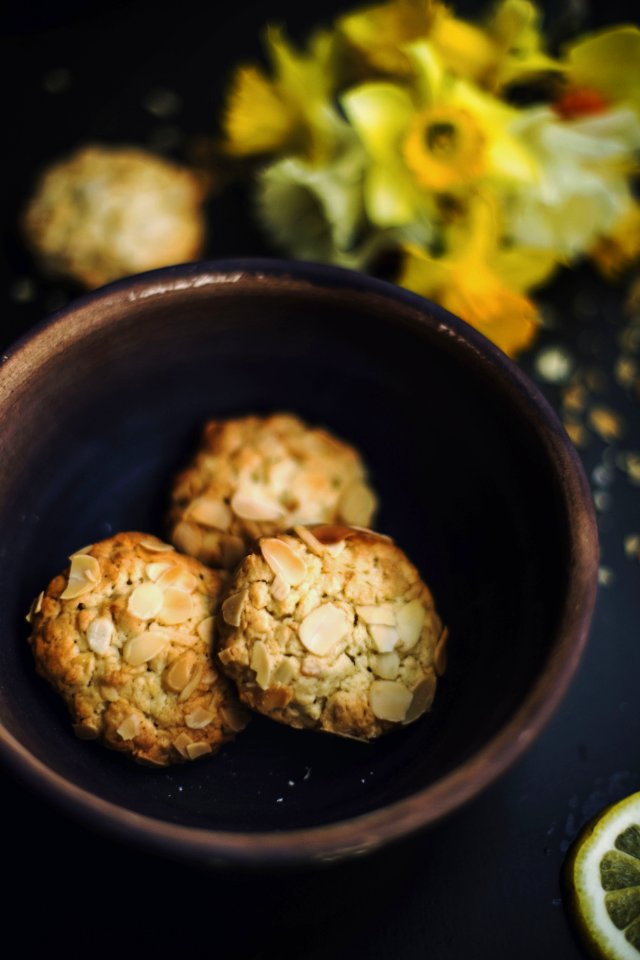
(515, 30)
(380, 113)
(618, 250)
(257, 119)
(523, 268)
(465, 49)
(609, 62)
(381, 32)
(389, 199)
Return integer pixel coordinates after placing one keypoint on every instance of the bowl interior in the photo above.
(110, 403)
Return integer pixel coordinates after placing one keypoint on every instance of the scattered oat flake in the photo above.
(625, 371)
(629, 462)
(632, 546)
(553, 364)
(603, 475)
(602, 501)
(577, 434)
(606, 576)
(606, 423)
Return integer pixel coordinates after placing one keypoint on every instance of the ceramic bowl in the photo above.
(101, 404)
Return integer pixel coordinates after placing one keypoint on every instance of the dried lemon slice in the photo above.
(602, 873)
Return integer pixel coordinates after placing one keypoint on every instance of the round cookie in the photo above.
(105, 212)
(125, 635)
(257, 476)
(331, 628)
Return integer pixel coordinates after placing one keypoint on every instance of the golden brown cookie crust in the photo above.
(106, 212)
(125, 635)
(257, 476)
(332, 629)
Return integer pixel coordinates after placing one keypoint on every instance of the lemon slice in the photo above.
(602, 873)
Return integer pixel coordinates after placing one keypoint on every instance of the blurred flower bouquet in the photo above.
(396, 138)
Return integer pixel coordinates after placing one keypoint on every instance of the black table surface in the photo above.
(485, 882)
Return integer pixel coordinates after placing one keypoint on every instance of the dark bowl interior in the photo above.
(107, 403)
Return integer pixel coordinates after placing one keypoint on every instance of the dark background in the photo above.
(483, 884)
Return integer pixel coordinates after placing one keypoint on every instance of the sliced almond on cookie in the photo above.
(389, 700)
(410, 618)
(283, 560)
(99, 634)
(84, 574)
(144, 647)
(323, 628)
(252, 506)
(210, 513)
(145, 601)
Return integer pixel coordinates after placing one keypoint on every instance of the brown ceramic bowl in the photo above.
(477, 480)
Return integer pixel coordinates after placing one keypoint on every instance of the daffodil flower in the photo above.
(440, 135)
(293, 112)
(481, 281)
(608, 62)
(582, 187)
(382, 32)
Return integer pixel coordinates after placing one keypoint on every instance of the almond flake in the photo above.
(321, 629)
(181, 743)
(129, 727)
(152, 543)
(386, 665)
(179, 578)
(280, 589)
(188, 538)
(232, 608)
(410, 618)
(261, 664)
(178, 673)
(193, 683)
(144, 647)
(252, 507)
(440, 653)
(205, 629)
(283, 561)
(389, 700)
(357, 504)
(210, 513)
(156, 569)
(385, 639)
(177, 606)
(199, 749)
(145, 601)
(99, 634)
(84, 574)
(331, 533)
(285, 672)
(381, 613)
(309, 540)
(422, 699)
(35, 607)
(199, 718)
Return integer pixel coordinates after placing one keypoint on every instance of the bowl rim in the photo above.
(366, 832)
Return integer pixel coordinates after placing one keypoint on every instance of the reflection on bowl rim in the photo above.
(357, 835)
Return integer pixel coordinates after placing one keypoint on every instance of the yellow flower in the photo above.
(439, 135)
(481, 282)
(608, 62)
(381, 33)
(445, 147)
(520, 53)
(294, 111)
(582, 185)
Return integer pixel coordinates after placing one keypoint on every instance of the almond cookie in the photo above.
(125, 635)
(259, 476)
(331, 628)
(106, 212)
